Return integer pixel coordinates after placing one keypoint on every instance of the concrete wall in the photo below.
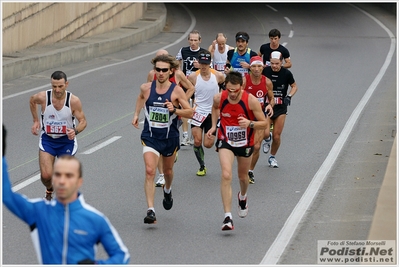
(33, 24)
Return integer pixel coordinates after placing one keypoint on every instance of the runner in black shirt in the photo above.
(266, 49)
(281, 78)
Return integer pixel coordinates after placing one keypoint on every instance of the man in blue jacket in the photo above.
(68, 223)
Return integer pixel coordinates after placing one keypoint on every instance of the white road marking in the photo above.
(26, 183)
(103, 144)
(288, 20)
(89, 151)
(284, 236)
(272, 8)
(183, 37)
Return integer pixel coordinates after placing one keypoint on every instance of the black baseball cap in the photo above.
(204, 58)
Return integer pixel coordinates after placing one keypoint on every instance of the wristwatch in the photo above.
(251, 124)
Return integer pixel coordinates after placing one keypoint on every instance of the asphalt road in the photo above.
(339, 131)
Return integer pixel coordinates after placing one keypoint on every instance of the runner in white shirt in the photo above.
(218, 50)
(206, 82)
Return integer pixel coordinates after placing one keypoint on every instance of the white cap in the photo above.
(276, 54)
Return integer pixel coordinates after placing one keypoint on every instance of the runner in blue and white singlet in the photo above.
(239, 58)
(163, 102)
(54, 128)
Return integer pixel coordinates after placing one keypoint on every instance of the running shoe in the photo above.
(185, 141)
(227, 224)
(242, 206)
(201, 171)
(272, 162)
(251, 177)
(167, 199)
(49, 194)
(150, 218)
(161, 181)
(266, 143)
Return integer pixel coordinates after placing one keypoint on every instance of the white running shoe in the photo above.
(273, 162)
(266, 144)
(185, 141)
(161, 181)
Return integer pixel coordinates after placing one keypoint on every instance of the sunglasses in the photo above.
(162, 70)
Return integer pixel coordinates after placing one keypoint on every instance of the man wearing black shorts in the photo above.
(240, 115)
(206, 82)
(161, 100)
(281, 78)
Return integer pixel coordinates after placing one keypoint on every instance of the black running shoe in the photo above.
(242, 206)
(150, 218)
(227, 224)
(167, 199)
(251, 177)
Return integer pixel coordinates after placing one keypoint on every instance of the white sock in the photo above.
(167, 191)
(242, 197)
(228, 214)
(185, 134)
(250, 170)
(151, 208)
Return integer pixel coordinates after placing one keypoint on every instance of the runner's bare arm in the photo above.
(141, 98)
(220, 77)
(77, 112)
(260, 122)
(287, 63)
(36, 99)
(186, 83)
(179, 98)
(150, 76)
(270, 97)
(294, 89)
(215, 114)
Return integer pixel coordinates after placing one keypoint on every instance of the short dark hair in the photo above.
(234, 77)
(274, 33)
(70, 157)
(58, 75)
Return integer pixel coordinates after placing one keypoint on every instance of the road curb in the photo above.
(38, 59)
(383, 226)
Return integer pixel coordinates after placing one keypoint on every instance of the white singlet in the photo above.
(219, 60)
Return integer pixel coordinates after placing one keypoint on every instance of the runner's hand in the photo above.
(287, 100)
